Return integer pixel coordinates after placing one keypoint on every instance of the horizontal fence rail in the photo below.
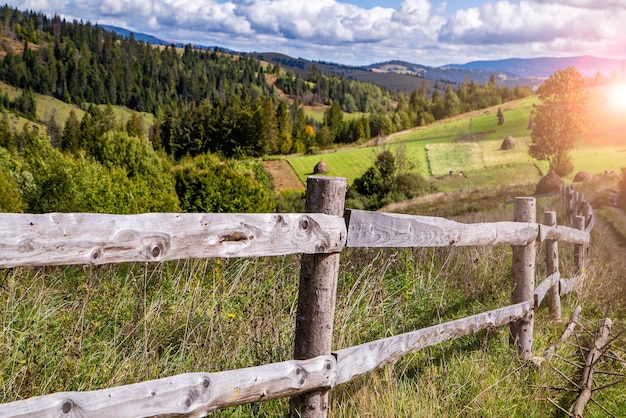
(60, 239)
(191, 394)
(376, 229)
(84, 238)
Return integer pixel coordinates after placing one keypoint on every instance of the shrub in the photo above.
(410, 185)
(290, 202)
(205, 184)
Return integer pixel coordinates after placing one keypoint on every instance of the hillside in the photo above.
(456, 74)
(543, 67)
(393, 81)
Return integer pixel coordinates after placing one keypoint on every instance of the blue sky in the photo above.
(360, 32)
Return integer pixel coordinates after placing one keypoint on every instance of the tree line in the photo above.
(118, 171)
(211, 110)
(231, 101)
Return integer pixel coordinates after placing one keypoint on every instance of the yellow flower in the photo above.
(231, 315)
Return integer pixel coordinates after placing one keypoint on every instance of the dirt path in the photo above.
(283, 176)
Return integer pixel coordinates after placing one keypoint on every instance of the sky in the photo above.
(361, 32)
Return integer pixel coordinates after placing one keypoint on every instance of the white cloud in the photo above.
(125, 7)
(342, 32)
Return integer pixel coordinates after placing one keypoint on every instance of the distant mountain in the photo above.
(543, 67)
(149, 39)
(141, 37)
(405, 76)
(452, 74)
(392, 80)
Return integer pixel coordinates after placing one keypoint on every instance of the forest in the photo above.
(214, 114)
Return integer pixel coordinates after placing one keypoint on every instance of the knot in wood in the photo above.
(156, 246)
(96, 254)
(206, 382)
(301, 376)
(67, 406)
(190, 398)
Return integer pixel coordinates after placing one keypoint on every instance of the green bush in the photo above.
(410, 185)
(290, 201)
(206, 184)
(137, 182)
(312, 151)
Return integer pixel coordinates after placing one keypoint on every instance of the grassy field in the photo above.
(471, 143)
(83, 328)
(351, 163)
(48, 107)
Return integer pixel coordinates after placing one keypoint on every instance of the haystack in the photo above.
(582, 177)
(320, 168)
(508, 143)
(550, 183)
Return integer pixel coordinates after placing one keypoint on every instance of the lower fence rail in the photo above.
(197, 394)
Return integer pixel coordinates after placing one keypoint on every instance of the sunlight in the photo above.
(617, 96)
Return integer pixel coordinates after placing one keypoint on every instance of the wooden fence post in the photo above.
(587, 212)
(525, 210)
(552, 266)
(317, 294)
(579, 249)
(568, 202)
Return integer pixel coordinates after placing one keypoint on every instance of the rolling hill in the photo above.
(406, 76)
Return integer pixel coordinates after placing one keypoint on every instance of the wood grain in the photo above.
(192, 394)
(523, 270)
(82, 238)
(361, 359)
(552, 267)
(563, 234)
(597, 351)
(544, 286)
(375, 229)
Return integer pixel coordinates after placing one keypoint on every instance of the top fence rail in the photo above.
(82, 238)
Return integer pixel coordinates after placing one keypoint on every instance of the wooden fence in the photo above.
(319, 235)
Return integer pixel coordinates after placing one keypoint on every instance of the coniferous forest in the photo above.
(214, 113)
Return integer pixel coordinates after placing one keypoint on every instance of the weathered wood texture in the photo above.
(317, 294)
(602, 335)
(563, 234)
(192, 394)
(551, 282)
(579, 249)
(376, 229)
(552, 268)
(81, 238)
(523, 269)
(355, 361)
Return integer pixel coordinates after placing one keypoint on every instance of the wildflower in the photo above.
(231, 315)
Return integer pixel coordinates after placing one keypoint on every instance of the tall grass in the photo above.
(78, 328)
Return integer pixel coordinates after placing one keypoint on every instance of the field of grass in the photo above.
(352, 163)
(84, 328)
(48, 106)
(471, 143)
(81, 328)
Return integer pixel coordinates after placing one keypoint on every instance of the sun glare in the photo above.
(618, 96)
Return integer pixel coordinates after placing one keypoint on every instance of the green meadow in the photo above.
(48, 107)
(471, 143)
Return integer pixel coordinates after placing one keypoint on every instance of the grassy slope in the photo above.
(436, 148)
(48, 106)
(79, 328)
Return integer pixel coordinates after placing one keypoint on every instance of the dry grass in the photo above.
(283, 176)
(85, 328)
